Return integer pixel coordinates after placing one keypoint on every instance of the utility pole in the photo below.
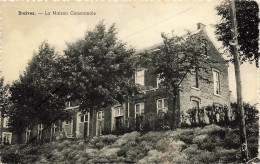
(233, 42)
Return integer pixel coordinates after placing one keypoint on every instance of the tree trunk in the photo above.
(242, 128)
(176, 109)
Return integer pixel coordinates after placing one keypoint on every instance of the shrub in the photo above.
(151, 136)
(109, 139)
(65, 152)
(11, 158)
(231, 141)
(91, 152)
(109, 152)
(199, 139)
(126, 138)
(186, 136)
(81, 146)
(208, 157)
(210, 142)
(226, 155)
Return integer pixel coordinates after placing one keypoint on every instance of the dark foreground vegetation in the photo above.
(210, 144)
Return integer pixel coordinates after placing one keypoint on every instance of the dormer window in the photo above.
(139, 77)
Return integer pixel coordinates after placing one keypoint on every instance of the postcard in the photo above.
(131, 81)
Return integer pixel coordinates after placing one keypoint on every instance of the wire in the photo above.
(157, 23)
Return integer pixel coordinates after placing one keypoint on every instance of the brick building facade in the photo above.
(197, 90)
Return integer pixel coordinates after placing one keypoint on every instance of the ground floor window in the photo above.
(7, 137)
(118, 117)
(162, 105)
(119, 122)
(27, 135)
(100, 123)
(40, 131)
(139, 109)
(139, 112)
(83, 124)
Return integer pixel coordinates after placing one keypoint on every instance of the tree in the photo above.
(35, 96)
(247, 16)
(177, 57)
(97, 70)
(3, 96)
(238, 30)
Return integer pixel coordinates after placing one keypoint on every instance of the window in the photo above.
(100, 123)
(67, 104)
(159, 81)
(82, 125)
(195, 104)
(195, 78)
(162, 105)
(5, 123)
(27, 135)
(54, 128)
(118, 117)
(7, 137)
(139, 77)
(216, 81)
(67, 122)
(84, 118)
(40, 129)
(119, 111)
(100, 115)
(139, 109)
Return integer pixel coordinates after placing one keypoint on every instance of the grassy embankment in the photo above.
(211, 144)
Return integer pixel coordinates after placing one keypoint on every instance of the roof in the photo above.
(201, 28)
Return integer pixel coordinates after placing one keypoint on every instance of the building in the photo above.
(195, 92)
(6, 135)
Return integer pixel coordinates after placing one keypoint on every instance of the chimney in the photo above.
(200, 26)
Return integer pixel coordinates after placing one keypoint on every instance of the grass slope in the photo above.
(211, 144)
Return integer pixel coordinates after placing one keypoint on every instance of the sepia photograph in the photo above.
(129, 81)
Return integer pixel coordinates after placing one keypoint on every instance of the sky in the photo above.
(139, 24)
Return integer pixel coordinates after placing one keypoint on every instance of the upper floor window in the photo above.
(119, 111)
(139, 77)
(139, 109)
(5, 123)
(159, 80)
(84, 118)
(216, 80)
(162, 105)
(195, 78)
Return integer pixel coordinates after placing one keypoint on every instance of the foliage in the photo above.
(4, 97)
(35, 96)
(174, 59)
(155, 122)
(210, 144)
(97, 69)
(247, 14)
(216, 115)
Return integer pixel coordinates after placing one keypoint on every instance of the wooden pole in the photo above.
(233, 43)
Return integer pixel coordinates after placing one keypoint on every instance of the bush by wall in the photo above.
(220, 115)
